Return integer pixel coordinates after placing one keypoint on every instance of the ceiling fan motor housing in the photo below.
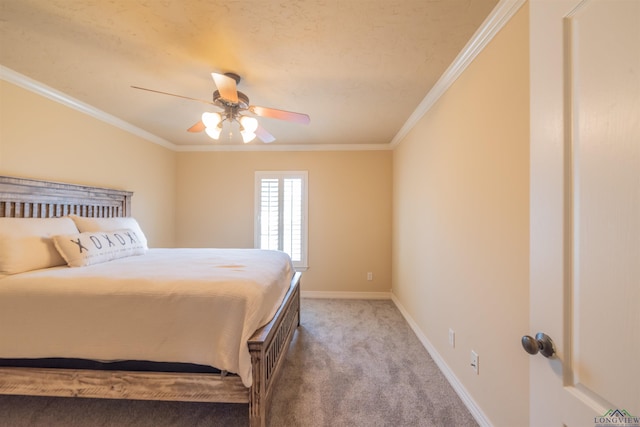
(243, 101)
(234, 76)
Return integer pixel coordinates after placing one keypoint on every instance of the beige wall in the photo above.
(42, 139)
(461, 223)
(349, 210)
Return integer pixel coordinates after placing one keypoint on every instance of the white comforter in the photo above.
(169, 305)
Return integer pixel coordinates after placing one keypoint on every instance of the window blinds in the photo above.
(281, 214)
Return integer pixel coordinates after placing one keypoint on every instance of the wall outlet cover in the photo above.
(475, 362)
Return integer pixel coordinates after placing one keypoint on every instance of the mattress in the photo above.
(195, 306)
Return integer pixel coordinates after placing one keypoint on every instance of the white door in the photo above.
(585, 211)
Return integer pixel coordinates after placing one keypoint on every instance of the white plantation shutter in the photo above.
(292, 217)
(281, 211)
(269, 214)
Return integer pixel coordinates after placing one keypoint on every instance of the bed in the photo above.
(195, 377)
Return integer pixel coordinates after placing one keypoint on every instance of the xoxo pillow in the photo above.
(94, 247)
(85, 224)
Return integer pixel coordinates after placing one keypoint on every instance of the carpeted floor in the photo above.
(351, 363)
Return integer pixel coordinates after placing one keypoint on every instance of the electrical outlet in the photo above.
(452, 338)
(475, 362)
(369, 276)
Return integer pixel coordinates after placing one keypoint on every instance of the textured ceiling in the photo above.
(358, 68)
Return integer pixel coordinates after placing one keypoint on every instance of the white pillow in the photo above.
(26, 243)
(85, 224)
(94, 247)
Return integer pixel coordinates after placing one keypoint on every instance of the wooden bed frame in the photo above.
(28, 198)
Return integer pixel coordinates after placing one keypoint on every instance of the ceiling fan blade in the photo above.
(280, 114)
(173, 94)
(226, 86)
(264, 135)
(198, 127)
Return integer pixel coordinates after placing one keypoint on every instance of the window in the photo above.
(281, 214)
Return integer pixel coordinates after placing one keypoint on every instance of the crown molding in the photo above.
(498, 18)
(34, 86)
(275, 147)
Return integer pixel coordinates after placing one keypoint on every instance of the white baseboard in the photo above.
(462, 392)
(345, 295)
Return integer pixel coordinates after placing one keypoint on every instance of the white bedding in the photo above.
(169, 305)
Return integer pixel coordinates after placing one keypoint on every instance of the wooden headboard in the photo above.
(30, 198)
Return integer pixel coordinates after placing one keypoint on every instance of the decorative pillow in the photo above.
(85, 224)
(26, 243)
(94, 247)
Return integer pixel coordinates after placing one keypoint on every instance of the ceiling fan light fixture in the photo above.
(214, 131)
(250, 124)
(211, 120)
(247, 136)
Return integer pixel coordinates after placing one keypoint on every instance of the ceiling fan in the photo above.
(235, 106)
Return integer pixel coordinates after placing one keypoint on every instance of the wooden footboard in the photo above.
(268, 347)
(26, 198)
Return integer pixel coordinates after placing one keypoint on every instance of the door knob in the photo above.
(541, 343)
